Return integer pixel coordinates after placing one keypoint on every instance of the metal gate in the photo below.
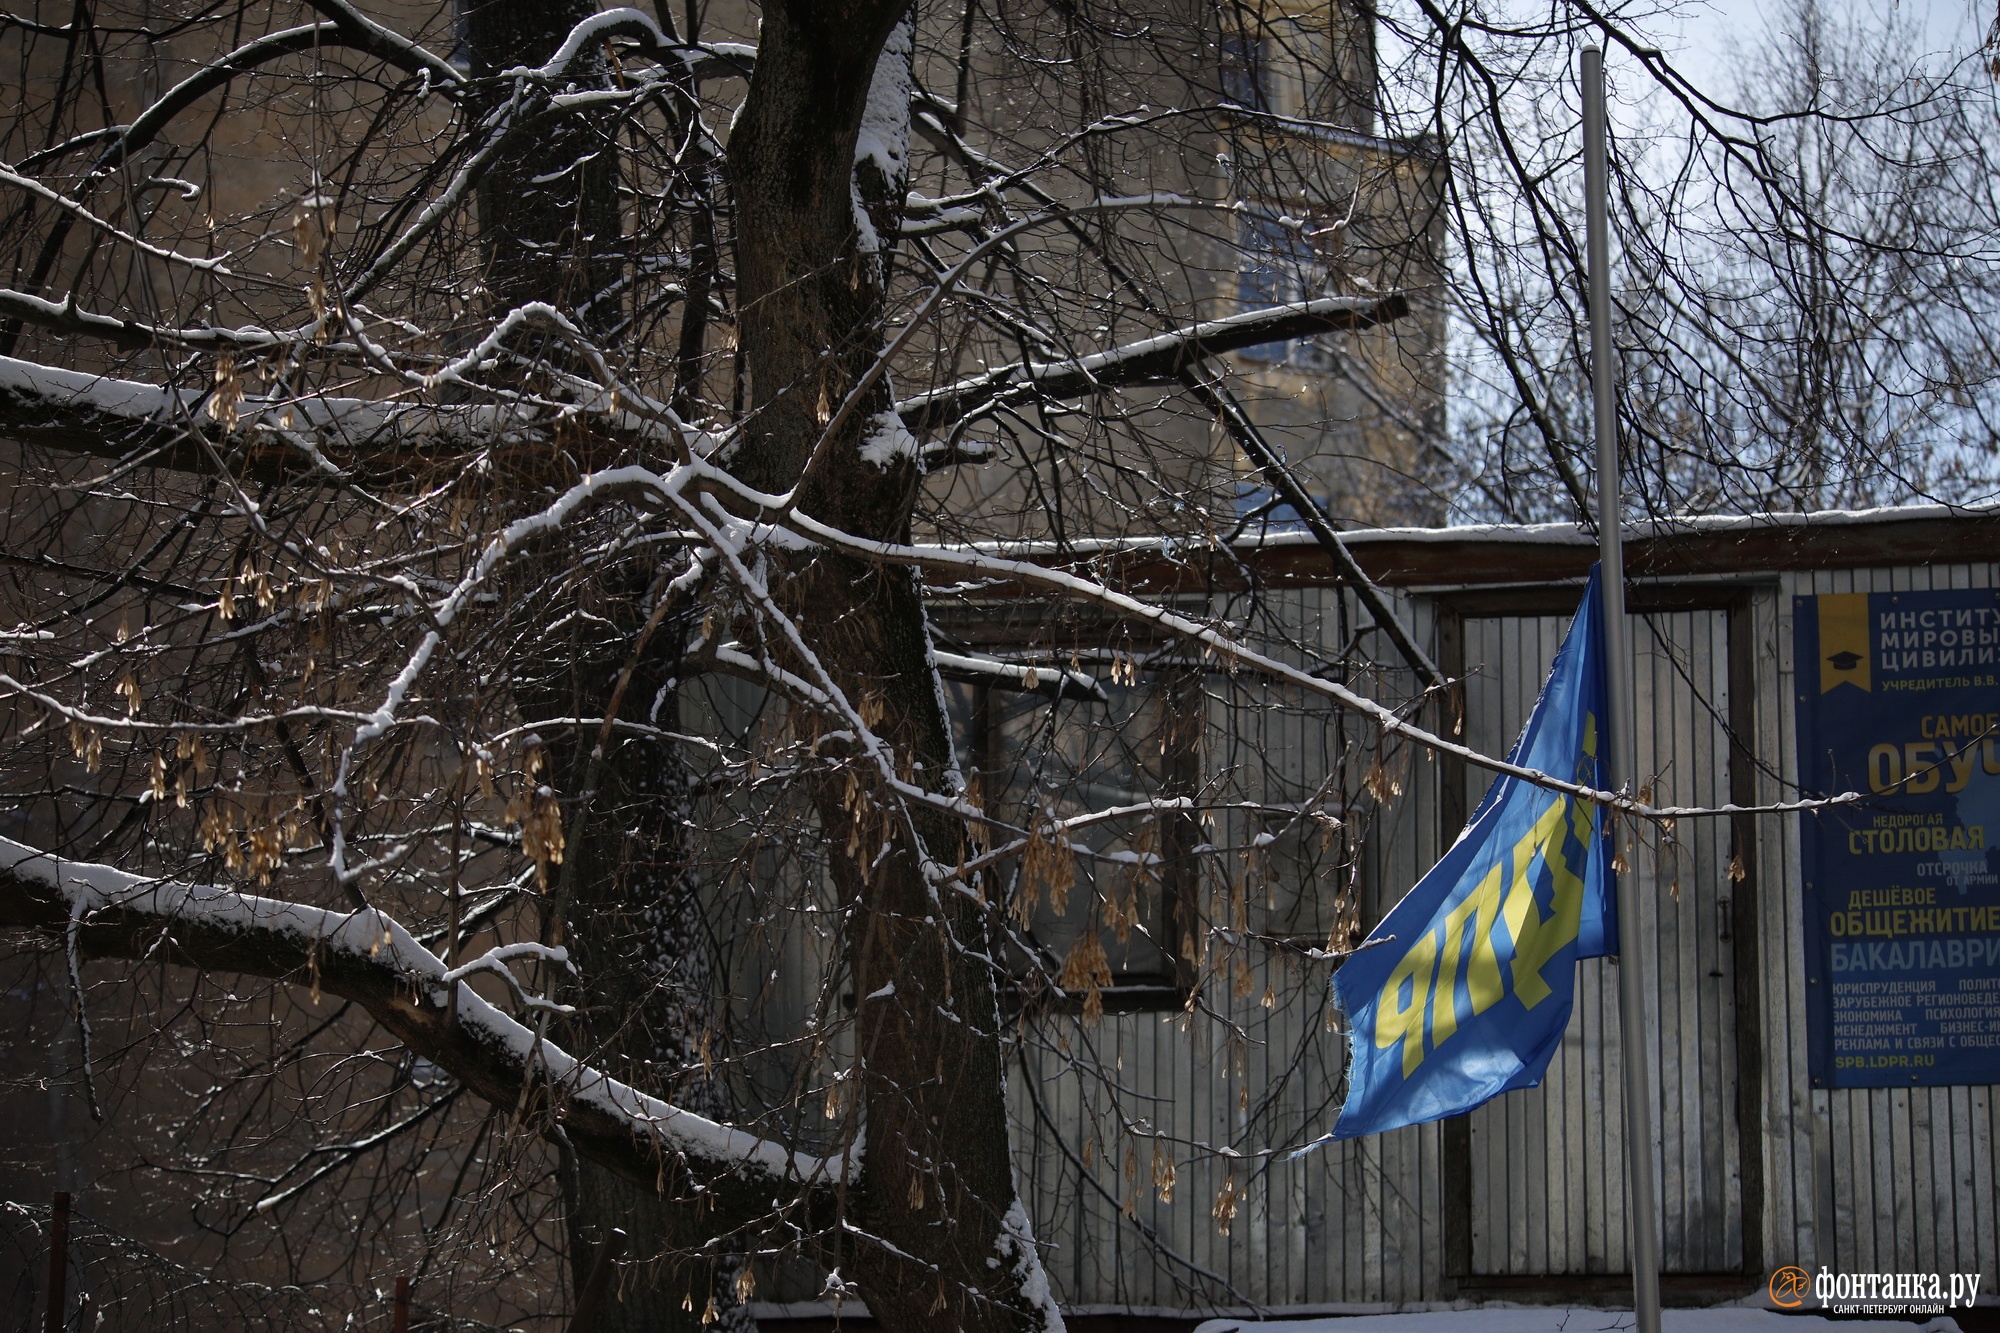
(1544, 1193)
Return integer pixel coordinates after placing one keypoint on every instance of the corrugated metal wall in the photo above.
(1758, 1169)
(1350, 1223)
(1889, 1180)
(1548, 1193)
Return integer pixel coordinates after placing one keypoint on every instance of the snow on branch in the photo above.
(347, 27)
(590, 35)
(73, 211)
(387, 44)
(642, 34)
(131, 335)
(1156, 360)
(966, 563)
(368, 958)
(697, 488)
(1053, 682)
(100, 415)
(97, 414)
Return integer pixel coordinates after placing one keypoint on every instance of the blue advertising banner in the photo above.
(1899, 698)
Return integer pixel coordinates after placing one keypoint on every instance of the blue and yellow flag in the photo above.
(1464, 990)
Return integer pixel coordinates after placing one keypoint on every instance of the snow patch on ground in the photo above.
(1523, 1319)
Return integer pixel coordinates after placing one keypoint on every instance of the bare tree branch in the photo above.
(367, 957)
(107, 417)
(1156, 360)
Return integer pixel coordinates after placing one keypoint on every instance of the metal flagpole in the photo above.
(1643, 1218)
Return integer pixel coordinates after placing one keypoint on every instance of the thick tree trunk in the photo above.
(950, 1246)
(548, 208)
(648, 1008)
(943, 1240)
(937, 1185)
(625, 902)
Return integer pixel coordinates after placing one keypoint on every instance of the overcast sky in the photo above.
(1710, 31)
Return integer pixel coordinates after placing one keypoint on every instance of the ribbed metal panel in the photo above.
(1548, 1163)
(1354, 1223)
(1886, 1180)
(1863, 1181)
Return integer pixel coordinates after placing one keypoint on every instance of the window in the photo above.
(460, 58)
(1349, 96)
(1260, 856)
(1261, 511)
(1277, 264)
(1036, 757)
(1245, 73)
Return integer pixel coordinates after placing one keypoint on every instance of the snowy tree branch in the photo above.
(1156, 360)
(368, 958)
(129, 334)
(123, 419)
(116, 418)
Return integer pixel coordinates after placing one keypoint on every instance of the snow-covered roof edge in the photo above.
(1551, 534)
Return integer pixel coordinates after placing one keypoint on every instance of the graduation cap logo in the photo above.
(1843, 641)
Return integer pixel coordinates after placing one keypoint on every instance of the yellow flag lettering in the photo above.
(1418, 1005)
(1537, 938)
(1397, 1021)
(1482, 974)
